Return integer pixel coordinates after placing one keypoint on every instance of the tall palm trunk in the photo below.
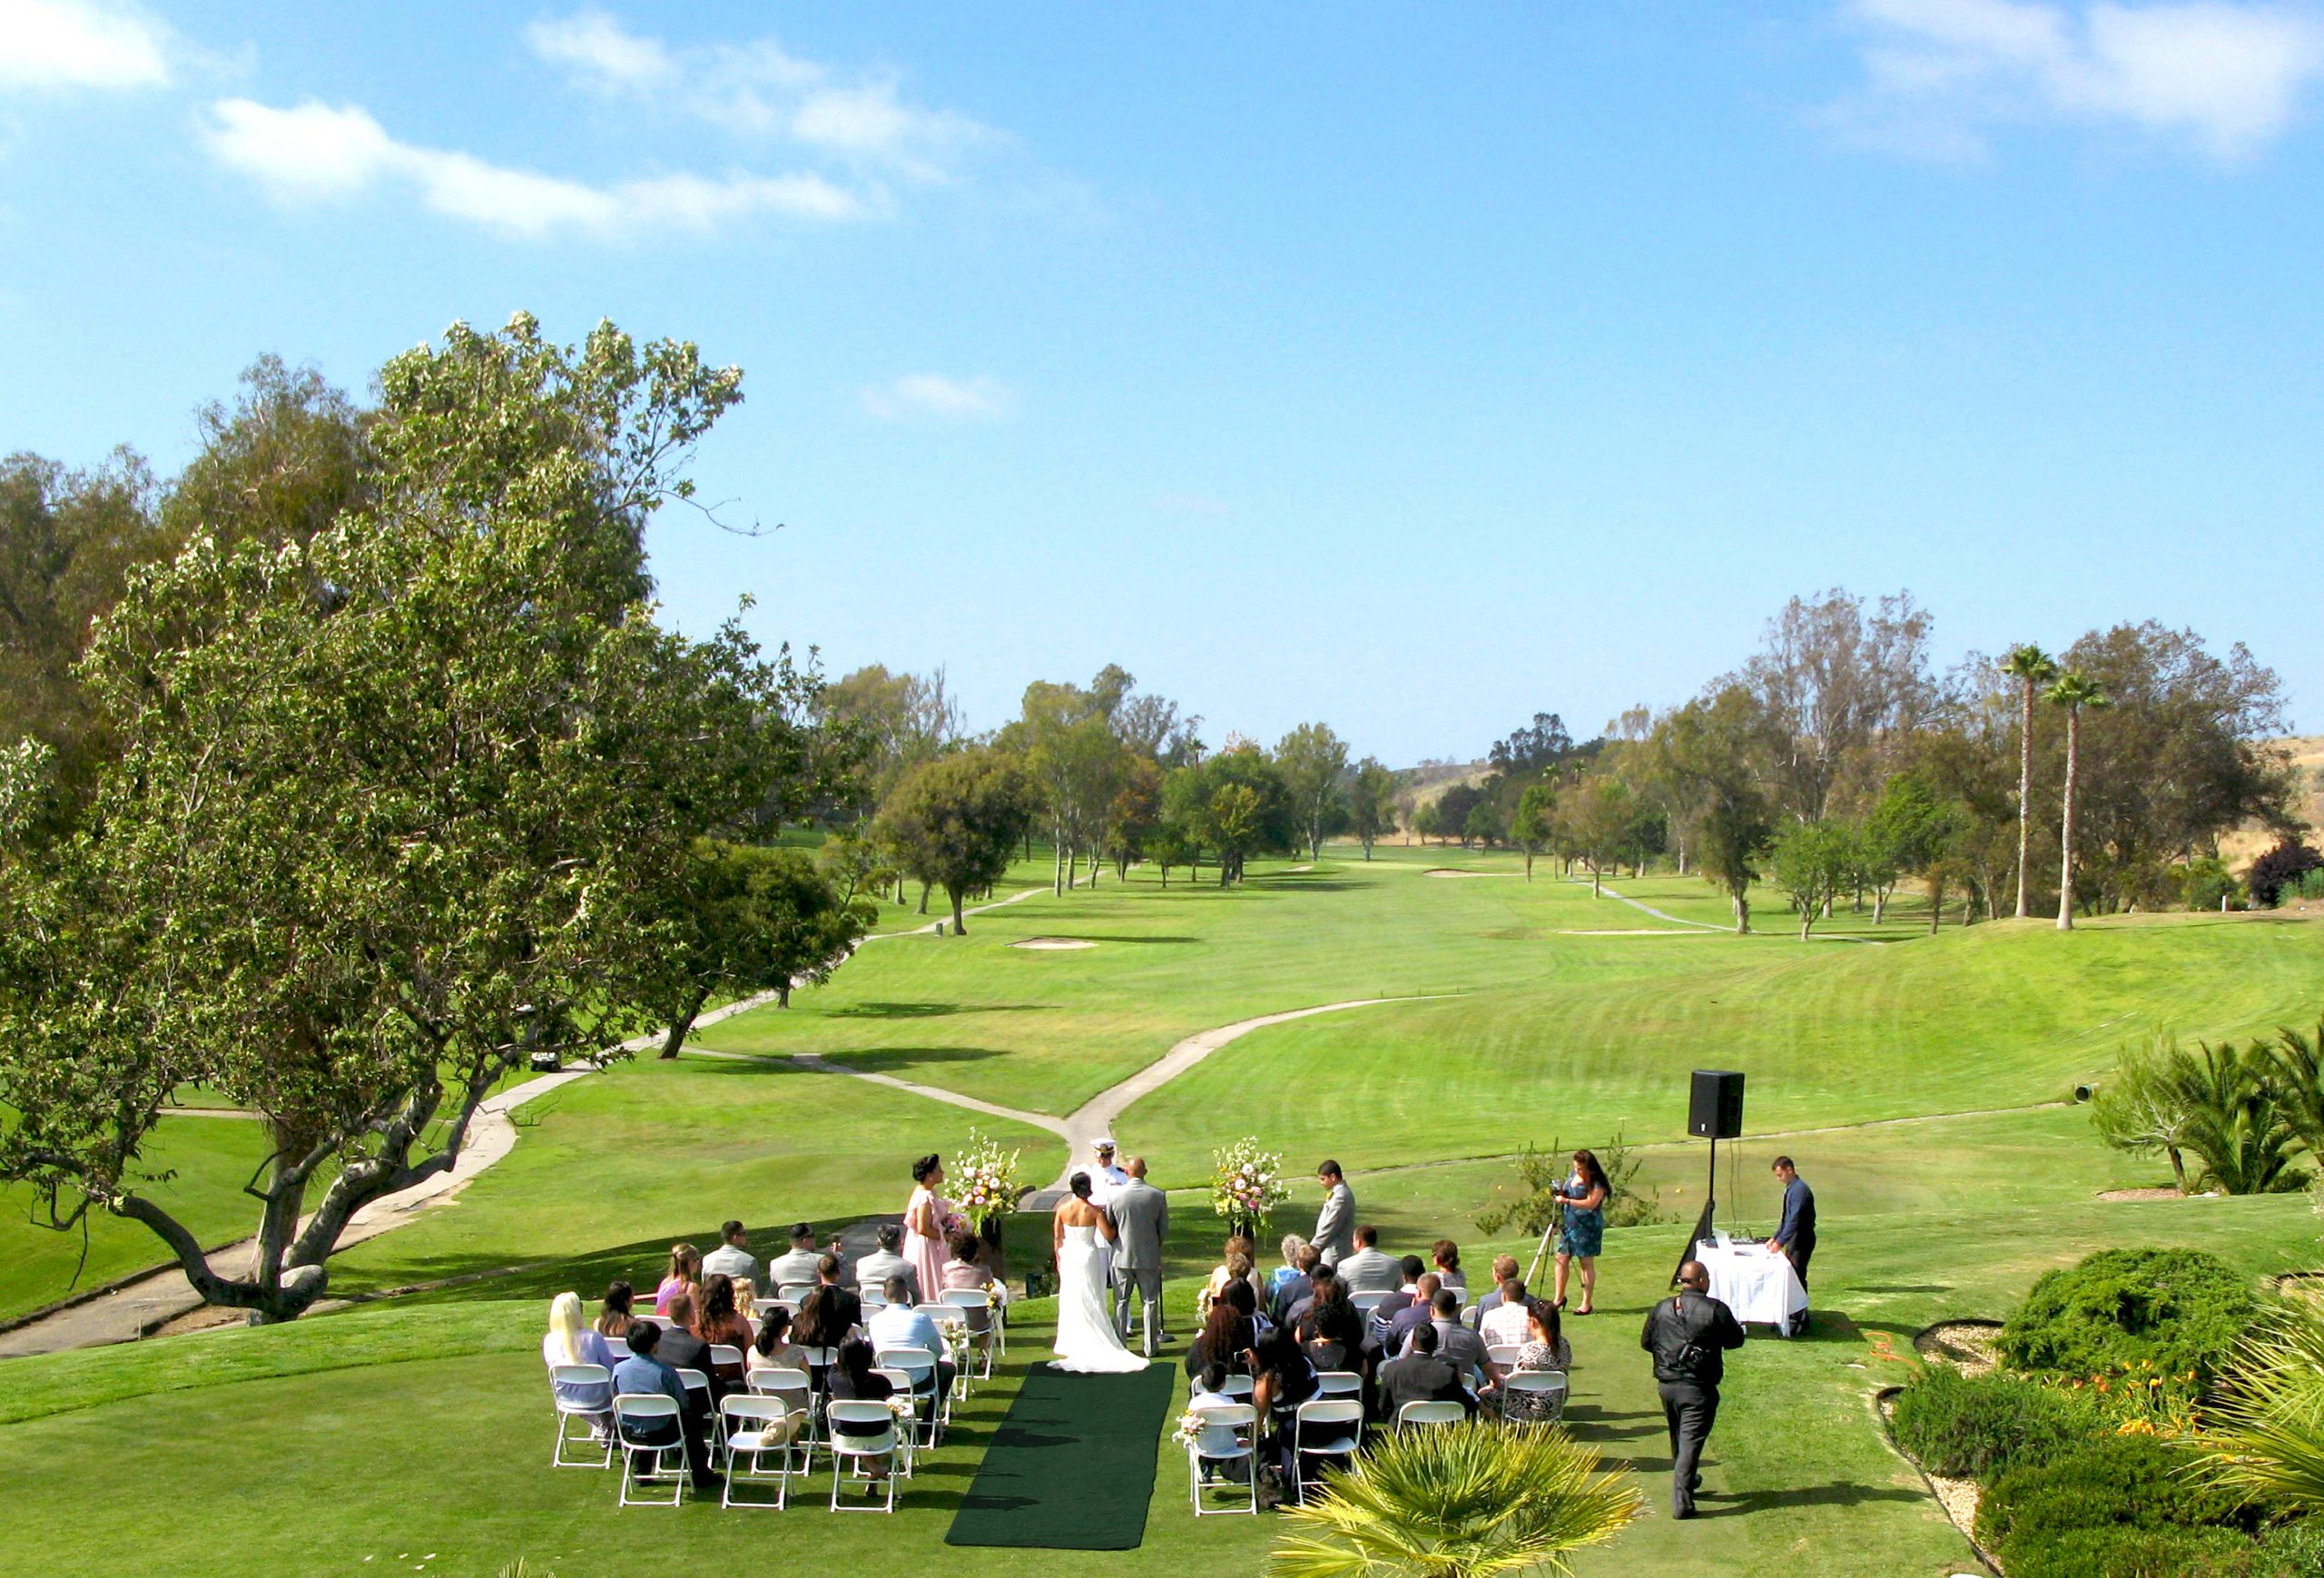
(2024, 796)
(2065, 856)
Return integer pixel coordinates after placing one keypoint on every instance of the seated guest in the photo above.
(856, 1380)
(771, 1348)
(1227, 1332)
(569, 1342)
(1421, 1375)
(1293, 1291)
(644, 1372)
(1367, 1270)
(1289, 1270)
(1447, 1256)
(1504, 1324)
(873, 1270)
(831, 1272)
(682, 1349)
(966, 1269)
(684, 1276)
(1463, 1349)
(1282, 1380)
(1544, 1349)
(1331, 1331)
(1504, 1266)
(613, 1317)
(827, 1317)
(734, 1257)
(796, 1268)
(1237, 1244)
(1215, 1445)
(718, 1323)
(1399, 1327)
(1409, 1268)
(904, 1325)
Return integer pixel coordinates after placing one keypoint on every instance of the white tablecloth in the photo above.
(1755, 1283)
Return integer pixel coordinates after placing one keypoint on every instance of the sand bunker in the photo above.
(1446, 871)
(1053, 945)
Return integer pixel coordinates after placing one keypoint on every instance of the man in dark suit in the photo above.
(1795, 1237)
(1421, 1376)
(829, 1272)
(682, 1350)
(1393, 1326)
(1689, 1334)
(1335, 1233)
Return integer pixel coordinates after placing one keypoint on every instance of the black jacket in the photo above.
(1420, 1378)
(1689, 1334)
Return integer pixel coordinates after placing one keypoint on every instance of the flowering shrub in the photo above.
(986, 1175)
(1247, 1183)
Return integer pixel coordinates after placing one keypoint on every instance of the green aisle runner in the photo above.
(1072, 1466)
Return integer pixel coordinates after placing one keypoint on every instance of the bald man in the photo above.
(1689, 1334)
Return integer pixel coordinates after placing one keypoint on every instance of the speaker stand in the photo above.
(1710, 1209)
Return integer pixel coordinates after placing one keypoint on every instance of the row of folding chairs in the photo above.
(751, 1427)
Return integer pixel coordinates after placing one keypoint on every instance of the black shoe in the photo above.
(1694, 1483)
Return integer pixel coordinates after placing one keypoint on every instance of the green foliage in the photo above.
(2242, 1113)
(2137, 1481)
(2180, 1310)
(2264, 1437)
(1460, 1501)
(1812, 863)
(2206, 883)
(1977, 1428)
(1372, 803)
(954, 822)
(2130, 1550)
(1310, 760)
(755, 920)
(1535, 1206)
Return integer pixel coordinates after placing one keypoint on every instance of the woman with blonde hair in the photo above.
(570, 1341)
(684, 1276)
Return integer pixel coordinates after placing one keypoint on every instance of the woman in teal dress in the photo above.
(1585, 1194)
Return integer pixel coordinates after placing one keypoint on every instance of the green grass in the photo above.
(416, 1425)
(206, 1162)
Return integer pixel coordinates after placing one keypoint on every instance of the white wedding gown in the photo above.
(1086, 1343)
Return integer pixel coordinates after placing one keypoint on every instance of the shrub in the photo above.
(2122, 1552)
(2180, 1310)
(2133, 1481)
(2294, 1550)
(2289, 863)
(2204, 881)
(1976, 1428)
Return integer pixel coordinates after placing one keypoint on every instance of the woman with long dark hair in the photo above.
(1585, 1195)
(718, 1322)
(614, 1316)
(929, 1221)
(1227, 1332)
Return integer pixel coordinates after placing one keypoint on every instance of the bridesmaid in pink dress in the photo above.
(927, 1223)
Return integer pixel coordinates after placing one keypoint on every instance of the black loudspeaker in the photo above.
(1715, 1110)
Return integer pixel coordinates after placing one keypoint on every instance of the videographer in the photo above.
(1689, 1334)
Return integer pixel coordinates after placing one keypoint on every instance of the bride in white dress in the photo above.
(1087, 1342)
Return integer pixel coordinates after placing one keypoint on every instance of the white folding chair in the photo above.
(643, 1408)
(845, 1448)
(696, 1381)
(1503, 1354)
(1338, 1383)
(1323, 1428)
(796, 1390)
(1430, 1414)
(1549, 1385)
(1236, 1386)
(792, 1295)
(1244, 1421)
(578, 1375)
(722, 1355)
(753, 1426)
(982, 1322)
(920, 1364)
(873, 1302)
(917, 1432)
(1367, 1305)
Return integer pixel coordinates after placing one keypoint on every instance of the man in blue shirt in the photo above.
(1794, 1237)
(642, 1373)
(903, 1324)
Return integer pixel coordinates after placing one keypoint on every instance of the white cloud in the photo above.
(951, 399)
(76, 44)
(315, 150)
(1941, 75)
(760, 89)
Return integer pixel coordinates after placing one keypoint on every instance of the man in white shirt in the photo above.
(1105, 1178)
(904, 1325)
(733, 1258)
(1368, 1271)
(1506, 1324)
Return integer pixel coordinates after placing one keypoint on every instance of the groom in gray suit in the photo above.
(1141, 1216)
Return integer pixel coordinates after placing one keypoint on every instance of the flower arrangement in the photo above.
(1189, 1430)
(1247, 1183)
(986, 1175)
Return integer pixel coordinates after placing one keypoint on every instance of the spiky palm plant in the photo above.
(2265, 1436)
(1458, 1501)
(2236, 1121)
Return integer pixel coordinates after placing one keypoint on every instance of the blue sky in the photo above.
(1411, 367)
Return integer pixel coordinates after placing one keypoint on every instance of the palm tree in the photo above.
(2295, 1072)
(2032, 668)
(2073, 691)
(2264, 1438)
(1458, 1500)
(2237, 1122)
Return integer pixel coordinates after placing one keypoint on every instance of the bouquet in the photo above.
(1189, 1430)
(1247, 1183)
(986, 1175)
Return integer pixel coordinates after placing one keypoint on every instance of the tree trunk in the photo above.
(1806, 920)
(1596, 890)
(2024, 794)
(923, 898)
(684, 1023)
(2178, 1166)
(1742, 914)
(1529, 865)
(960, 925)
(2065, 840)
(278, 1219)
(1935, 906)
(1879, 905)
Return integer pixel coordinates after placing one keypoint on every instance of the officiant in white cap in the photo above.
(1104, 1178)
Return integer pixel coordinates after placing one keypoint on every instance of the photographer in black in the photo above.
(1689, 1334)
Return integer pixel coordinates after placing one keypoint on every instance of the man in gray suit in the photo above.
(1334, 1232)
(1141, 1216)
(872, 1272)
